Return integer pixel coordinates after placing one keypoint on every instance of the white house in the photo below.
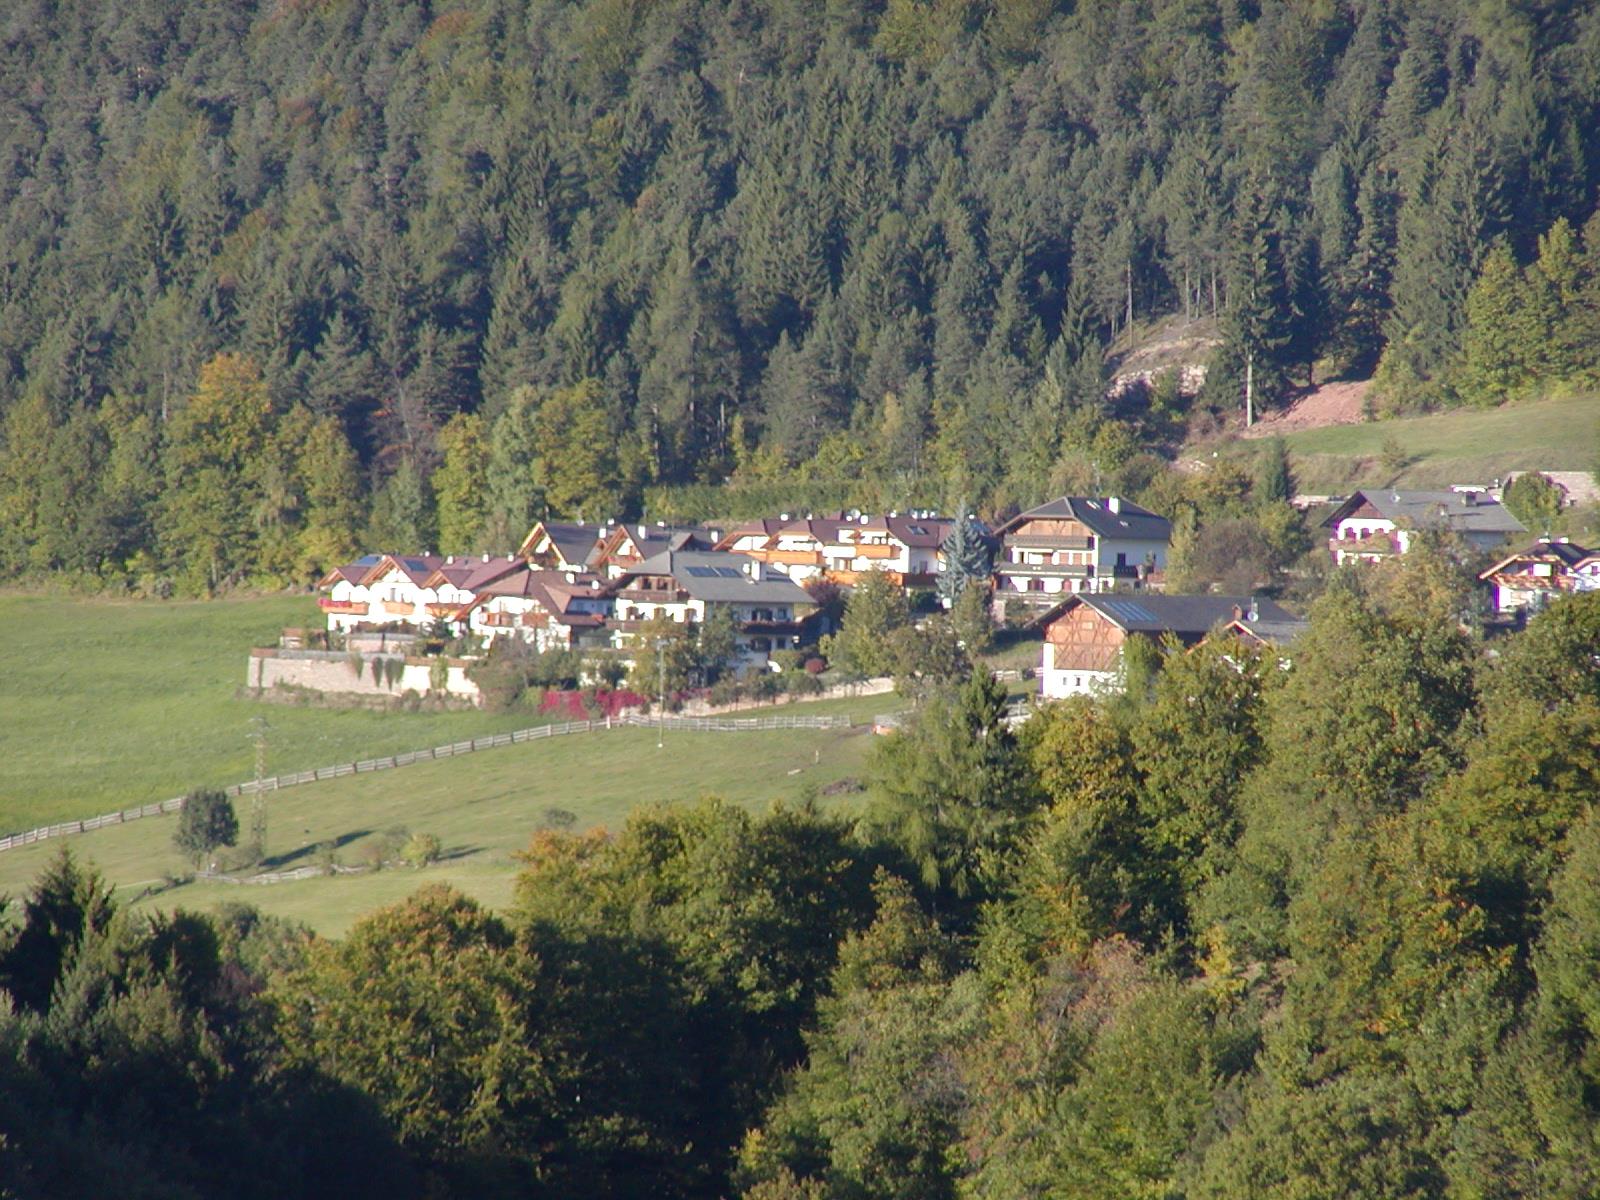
(769, 611)
(841, 547)
(552, 610)
(1530, 579)
(1380, 522)
(379, 589)
(1079, 544)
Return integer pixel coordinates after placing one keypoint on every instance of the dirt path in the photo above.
(1330, 404)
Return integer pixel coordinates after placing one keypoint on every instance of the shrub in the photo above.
(558, 818)
(802, 683)
(420, 850)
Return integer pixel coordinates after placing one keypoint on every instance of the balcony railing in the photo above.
(347, 608)
(1046, 570)
(1026, 541)
(1372, 543)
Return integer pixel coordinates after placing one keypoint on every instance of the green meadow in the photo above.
(1469, 445)
(483, 807)
(109, 704)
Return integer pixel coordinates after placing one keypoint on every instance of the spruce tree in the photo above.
(968, 558)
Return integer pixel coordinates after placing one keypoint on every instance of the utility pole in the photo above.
(258, 800)
(661, 713)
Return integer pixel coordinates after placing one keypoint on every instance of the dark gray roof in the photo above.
(576, 542)
(1130, 521)
(721, 577)
(1151, 613)
(1464, 512)
(1279, 633)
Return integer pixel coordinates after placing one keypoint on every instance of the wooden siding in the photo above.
(1084, 640)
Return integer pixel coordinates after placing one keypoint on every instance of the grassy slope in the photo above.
(109, 704)
(1462, 446)
(483, 808)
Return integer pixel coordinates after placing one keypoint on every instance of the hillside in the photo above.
(1459, 446)
(285, 278)
(483, 808)
(110, 704)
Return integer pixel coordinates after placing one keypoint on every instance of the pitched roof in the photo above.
(355, 572)
(1156, 614)
(1275, 633)
(1109, 516)
(575, 542)
(415, 567)
(469, 574)
(720, 577)
(1568, 554)
(1464, 512)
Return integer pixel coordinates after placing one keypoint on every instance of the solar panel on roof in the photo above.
(702, 572)
(729, 572)
(1129, 610)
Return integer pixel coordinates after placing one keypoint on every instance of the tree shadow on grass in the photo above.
(276, 861)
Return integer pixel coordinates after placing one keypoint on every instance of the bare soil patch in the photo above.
(1331, 404)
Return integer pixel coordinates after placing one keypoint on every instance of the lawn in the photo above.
(111, 704)
(483, 808)
(1461, 446)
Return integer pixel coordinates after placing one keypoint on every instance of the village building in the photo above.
(1084, 634)
(379, 589)
(410, 590)
(459, 579)
(623, 546)
(1531, 578)
(841, 547)
(768, 611)
(1378, 523)
(1079, 544)
(551, 610)
(562, 546)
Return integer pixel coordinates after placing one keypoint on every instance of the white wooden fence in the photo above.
(278, 782)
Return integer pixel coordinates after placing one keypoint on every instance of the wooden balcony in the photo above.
(395, 608)
(1373, 543)
(1046, 570)
(1025, 541)
(792, 558)
(345, 608)
(876, 550)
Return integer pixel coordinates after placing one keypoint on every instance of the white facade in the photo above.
(1057, 683)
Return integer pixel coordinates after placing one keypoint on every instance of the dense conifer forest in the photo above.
(1242, 932)
(282, 277)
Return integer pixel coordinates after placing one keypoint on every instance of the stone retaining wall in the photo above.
(333, 672)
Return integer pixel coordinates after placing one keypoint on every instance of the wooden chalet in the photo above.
(1531, 578)
(1084, 634)
(1079, 544)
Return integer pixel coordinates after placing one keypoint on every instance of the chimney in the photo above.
(1255, 609)
(1114, 503)
(1238, 613)
(485, 558)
